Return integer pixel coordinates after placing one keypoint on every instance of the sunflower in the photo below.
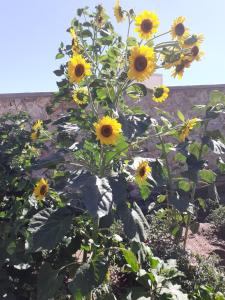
(41, 189)
(178, 30)
(185, 130)
(37, 125)
(80, 95)
(107, 130)
(142, 63)
(142, 172)
(118, 12)
(35, 135)
(75, 42)
(160, 93)
(100, 18)
(36, 129)
(193, 40)
(196, 53)
(147, 24)
(179, 69)
(78, 68)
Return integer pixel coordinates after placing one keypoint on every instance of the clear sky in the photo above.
(31, 30)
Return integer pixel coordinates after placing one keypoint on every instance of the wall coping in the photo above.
(50, 94)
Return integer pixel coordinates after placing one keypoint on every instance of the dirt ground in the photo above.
(206, 243)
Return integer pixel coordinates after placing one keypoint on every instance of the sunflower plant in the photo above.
(85, 224)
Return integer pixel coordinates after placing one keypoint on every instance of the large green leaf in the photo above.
(48, 282)
(136, 91)
(48, 227)
(131, 259)
(135, 125)
(207, 175)
(89, 276)
(95, 193)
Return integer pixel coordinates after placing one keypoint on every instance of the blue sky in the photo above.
(31, 30)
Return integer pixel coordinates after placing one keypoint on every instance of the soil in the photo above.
(206, 242)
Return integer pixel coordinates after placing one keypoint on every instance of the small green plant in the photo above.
(217, 216)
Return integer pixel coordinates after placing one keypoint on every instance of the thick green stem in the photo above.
(194, 189)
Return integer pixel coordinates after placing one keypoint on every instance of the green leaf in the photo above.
(180, 116)
(86, 33)
(89, 276)
(184, 185)
(48, 282)
(131, 259)
(144, 191)
(207, 175)
(48, 227)
(97, 198)
(136, 91)
(131, 41)
(216, 97)
(161, 198)
(219, 296)
(154, 262)
(221, 165)
(50, 162)
(59, 55)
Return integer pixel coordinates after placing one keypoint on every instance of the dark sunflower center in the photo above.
(79, 70)
(146, 25)
(195, 50)
(106, 130)
(179, 68)
(158, 92)
(80, 96)
(180, 29)
(140, 63)
(43, 190)
(142, 171)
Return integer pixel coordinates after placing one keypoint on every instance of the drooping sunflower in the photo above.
(171, 60)
(107, 130)
(185, 130)
(178, 30)
(160, 93)
(118, 12)
(147, 24)
(78, 68)
(193, 40)
(100, 18)
(142, 172)
(179, 69)
(80, 95)
(75, 42)
(41, 189)
(142, 63)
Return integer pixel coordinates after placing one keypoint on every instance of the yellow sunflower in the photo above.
(41, 189)
(107, 130)
(188, 126)
(75, 42)
(142, 172)
(178, 30)
(142, 63)
(193, 40)
(196, 53)
(78, 68)
(160, 93)
(179, 69)
(37, 125)
(147, 24)
(118, 12)
(35, 135)
(80, 95)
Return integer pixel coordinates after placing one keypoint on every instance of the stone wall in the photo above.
(181, 97)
